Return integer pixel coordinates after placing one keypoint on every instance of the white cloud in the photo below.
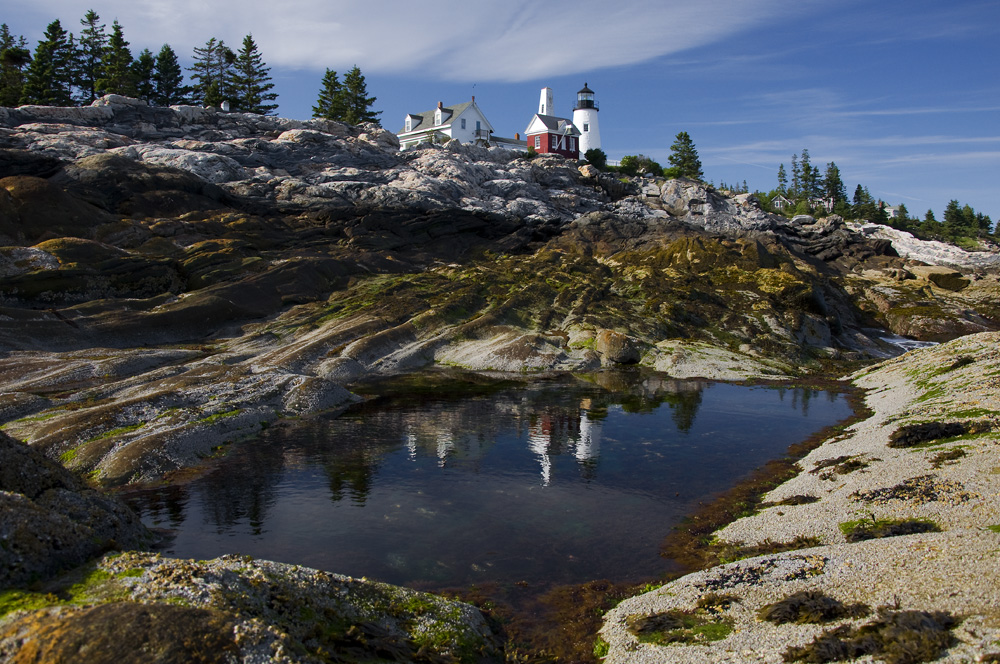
(500, 40)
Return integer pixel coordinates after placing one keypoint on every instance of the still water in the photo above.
(558, 482)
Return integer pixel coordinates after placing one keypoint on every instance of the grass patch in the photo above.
(117, 432)
(678, 628)
(811, 607)
(895, 637)
(211, 419)
(866, 529)
(994, 528)
(601, 648)
(19, 600)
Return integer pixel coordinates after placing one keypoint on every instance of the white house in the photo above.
(465, 122)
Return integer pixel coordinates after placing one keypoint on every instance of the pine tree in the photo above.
(213, 73)
(782, 179)
(357, 104)
(49, 77)
(14, 57)
(330, 104)
(143, 72)
(93, 44)
(833, 186)
(117, 76)
(684, 157)
(168, 79)
(251, 82)
(796, 187)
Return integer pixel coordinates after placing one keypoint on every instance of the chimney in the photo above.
(440, 105)
(473, 99)
(517, 135)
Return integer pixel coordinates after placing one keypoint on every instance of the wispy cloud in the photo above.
(500, 40)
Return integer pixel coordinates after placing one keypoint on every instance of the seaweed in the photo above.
(678, 627)
(941, 458)
(896, 637)
(811, 607)
(866, 529)
(912, 435)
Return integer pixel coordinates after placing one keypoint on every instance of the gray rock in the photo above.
(50, 521)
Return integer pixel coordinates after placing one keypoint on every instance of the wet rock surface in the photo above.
(50, 521)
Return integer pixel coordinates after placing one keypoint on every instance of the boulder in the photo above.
(616, 348)
(50, 521)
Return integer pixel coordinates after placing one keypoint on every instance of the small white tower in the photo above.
(585, 119)
(545, 102)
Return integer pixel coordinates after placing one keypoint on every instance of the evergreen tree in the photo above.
(782, 179)
(49, 77)
(14, 57)
(330, 104)
(168, 80)
(357, 104)
(92, 47)
(213, 73)
(117, 76)
(684, 157)
(597, 158)
(953, 225)
(796, 187)
(833, 186)
(143, 72)
(251, 82)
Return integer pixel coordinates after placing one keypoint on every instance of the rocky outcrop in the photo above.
(239, 609)
(49, 521)
(176, 278)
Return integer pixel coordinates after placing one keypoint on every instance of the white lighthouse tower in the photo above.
(585, 119)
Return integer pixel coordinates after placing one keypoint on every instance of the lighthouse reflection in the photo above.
(449, 486)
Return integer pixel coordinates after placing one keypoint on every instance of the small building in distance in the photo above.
(465, 122)
(550, 134)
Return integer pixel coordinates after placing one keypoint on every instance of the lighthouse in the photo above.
(585, 119)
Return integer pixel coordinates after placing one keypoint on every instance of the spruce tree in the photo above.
(168, 79)
(833, 185)
(251, 81)
(796, 186)
(357, 103)
(14, 57)
(117, 76)
(143, 72)
(213, 73)
(782, 179)
(49, 77)
(92, 47)
(330, 105)
(684, 157)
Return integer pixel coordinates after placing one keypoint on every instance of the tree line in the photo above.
(808, 192)
(69, 70)
(683, 159)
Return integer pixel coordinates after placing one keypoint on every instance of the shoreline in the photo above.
(949, 571)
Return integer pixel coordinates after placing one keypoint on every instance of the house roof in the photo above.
(554, 125)
(427, 117)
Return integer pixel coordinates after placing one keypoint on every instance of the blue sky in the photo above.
(904, 96)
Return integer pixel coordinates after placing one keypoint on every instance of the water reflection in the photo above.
(559, 480)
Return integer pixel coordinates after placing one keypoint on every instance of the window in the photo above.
(538, 142)
(586, 126)
(463, 123)
(437, 117)
(409, 124)
(478, 125)
(555, 141)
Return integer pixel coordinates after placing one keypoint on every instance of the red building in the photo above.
(548, 134)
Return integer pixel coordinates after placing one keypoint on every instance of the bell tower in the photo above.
(585, 119)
